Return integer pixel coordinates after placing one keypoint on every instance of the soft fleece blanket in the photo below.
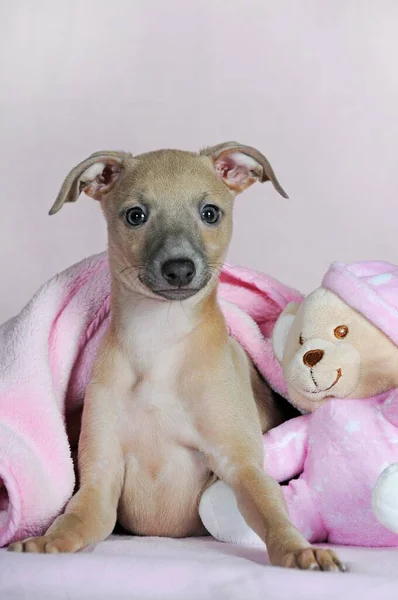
(135, 568)
(46, 356)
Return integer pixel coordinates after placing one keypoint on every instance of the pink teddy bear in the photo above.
(339, 353)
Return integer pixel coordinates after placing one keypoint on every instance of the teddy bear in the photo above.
(339, 354)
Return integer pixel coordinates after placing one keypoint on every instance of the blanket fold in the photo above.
(46, 357)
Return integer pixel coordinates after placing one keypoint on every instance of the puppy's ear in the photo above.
(95, 176)
(282, 328)
(240, 166)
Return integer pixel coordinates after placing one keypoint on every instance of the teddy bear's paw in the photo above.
(313, 559)
(385, 498)
(220, 515)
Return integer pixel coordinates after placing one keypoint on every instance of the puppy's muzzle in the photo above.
(178, 272)
(176, 267)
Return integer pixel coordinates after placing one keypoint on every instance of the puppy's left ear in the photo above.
(240, 166)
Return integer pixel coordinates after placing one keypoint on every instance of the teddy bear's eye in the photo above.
(301, 340)
(341, 331)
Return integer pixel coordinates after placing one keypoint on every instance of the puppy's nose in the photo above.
(178, 272)
(312, 357)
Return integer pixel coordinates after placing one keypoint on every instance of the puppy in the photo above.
(173, 402)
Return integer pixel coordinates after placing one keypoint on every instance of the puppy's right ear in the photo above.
(282, 328)
(95, 176)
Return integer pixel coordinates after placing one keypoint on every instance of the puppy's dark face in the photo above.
(169, 224)
(169, 213)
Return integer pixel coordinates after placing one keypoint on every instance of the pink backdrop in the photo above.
(313, 84)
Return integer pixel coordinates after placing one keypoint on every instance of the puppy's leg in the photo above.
(261, 503)
(90, 516)
(236, 455)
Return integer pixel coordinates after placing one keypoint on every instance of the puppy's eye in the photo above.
(341, 331)
(301, 340)
(210, 214)
(135, 217)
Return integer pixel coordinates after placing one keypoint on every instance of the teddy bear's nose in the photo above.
(312, 357)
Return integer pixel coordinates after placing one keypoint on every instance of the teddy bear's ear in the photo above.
(282, 328)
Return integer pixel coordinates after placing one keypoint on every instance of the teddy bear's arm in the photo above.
(285, 448)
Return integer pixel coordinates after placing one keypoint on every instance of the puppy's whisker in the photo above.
(183, 308)
(214, 275)
(216, 268)
(220, 267)
(132, 283)
(131, 268)
(168, 312)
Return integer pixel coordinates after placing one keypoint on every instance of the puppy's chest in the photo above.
(156, 414)
(157, 420)
(164, 468)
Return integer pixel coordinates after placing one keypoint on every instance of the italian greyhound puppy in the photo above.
(173, 402)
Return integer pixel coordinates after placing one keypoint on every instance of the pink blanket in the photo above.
(46, 355)
(136, 568)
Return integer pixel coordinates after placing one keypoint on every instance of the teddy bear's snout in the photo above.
(321, 369)
(312, 357)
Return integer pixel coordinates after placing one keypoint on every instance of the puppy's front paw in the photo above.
(48, 544)
(313, 559)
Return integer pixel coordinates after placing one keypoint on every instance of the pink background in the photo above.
(313, 84)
